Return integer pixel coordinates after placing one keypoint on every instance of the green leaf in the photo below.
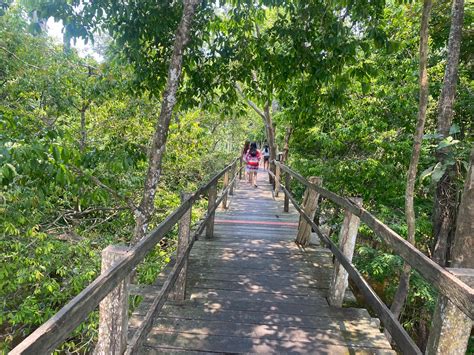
(427, 172)
(454, 129)
(447, 142)
(438, 172)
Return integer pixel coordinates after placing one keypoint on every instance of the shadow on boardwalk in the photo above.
(252, 290)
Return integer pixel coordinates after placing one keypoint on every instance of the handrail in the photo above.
(54, 331)
(449, 285)
(401, 337)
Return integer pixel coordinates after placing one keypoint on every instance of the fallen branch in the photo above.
(111, 191)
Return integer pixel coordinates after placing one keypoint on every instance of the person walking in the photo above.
(252, 158)
(266, 157)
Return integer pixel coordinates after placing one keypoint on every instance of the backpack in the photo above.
(252, 160)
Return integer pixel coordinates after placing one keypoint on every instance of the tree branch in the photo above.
(249, 102)
(18, 58)
(111, 191)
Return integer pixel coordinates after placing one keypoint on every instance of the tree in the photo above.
(445, 195)
(402, 291)
(147, 205)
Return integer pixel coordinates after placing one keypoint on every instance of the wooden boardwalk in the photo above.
(252, 290)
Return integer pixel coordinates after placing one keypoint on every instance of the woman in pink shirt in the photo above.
(252, 158)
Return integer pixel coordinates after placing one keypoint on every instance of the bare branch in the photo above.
(18, 58)
(111, 191)
(249, 102)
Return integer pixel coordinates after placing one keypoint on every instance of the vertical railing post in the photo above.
(233, 181)
(347, 241)
(277, 179)
(211, 201)
(240, 167)
(113, 309)
(225, 185)
(310, 204)
(184, 232)
(286, 204)
(450, 327)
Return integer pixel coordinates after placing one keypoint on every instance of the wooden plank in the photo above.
(259, 281)
(323, 321)
(276, 245)
(274, 249)
(266, 288)
(217, 294)
(315, 308)
(362, 336)
(249, 345)
(249, 265)
(457, 291)
(248, 255)
(284, 278)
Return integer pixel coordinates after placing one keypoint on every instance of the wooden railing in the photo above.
(460, 294)
(118, 264)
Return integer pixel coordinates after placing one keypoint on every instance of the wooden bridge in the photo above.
(247, 287)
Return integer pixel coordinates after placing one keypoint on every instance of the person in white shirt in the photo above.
(266, 157)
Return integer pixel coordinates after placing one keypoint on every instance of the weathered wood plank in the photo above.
(217, 294)
(360, 336)
(267, 255)
(321, 321)
(248, 345)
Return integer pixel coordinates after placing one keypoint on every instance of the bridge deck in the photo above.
(252, 290)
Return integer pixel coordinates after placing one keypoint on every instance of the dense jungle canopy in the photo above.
(95, 150)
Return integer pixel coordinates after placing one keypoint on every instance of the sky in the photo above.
(84, 50)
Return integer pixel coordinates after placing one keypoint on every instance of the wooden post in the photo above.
(286, 206)
(232, 176)
(211, 196)
(113, 310)
(240, 167)
(347, 241)
(277, 180)
(226, 184)
(184, 229)
(310, 204)
(450, 327)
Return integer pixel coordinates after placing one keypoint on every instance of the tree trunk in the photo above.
(270, 130)
(445, 194)
(157, 149)
(451, 327)
(402, 291)
(462, 253)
